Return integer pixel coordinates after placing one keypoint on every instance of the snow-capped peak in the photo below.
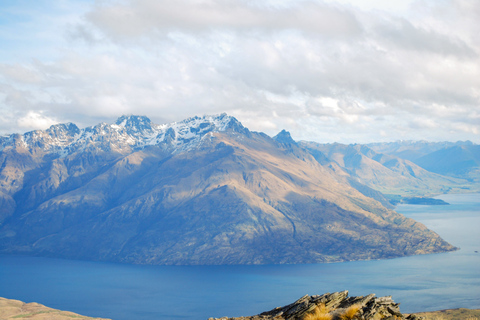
(134, 123)
(186, 134)
(127, 133)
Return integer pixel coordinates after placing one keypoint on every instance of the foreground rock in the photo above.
(332, 306)
(15, 309)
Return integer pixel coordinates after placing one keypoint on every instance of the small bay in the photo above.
(121, 292)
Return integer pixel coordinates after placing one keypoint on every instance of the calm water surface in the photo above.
(121, 292)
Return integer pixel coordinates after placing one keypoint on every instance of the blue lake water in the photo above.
(121, 292)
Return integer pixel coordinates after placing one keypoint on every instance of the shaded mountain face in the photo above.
(382, 172)
(202, 191)
(413, 150)
(458, 161)
(455, 159)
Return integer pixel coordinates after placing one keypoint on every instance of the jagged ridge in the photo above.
(335, 305)
(126, 132)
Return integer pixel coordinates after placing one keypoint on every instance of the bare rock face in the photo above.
(334, 306)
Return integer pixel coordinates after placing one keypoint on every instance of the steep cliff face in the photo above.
(202, 191)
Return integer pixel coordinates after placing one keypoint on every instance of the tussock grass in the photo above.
(319, 313)
(436, 317)
(350, 313)
(29, 315)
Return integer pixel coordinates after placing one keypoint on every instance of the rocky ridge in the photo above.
(337, 305)
(127, 133)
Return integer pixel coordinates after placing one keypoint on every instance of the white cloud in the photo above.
(136, 18)
(323, 70)
(20, 73)
(35, 119)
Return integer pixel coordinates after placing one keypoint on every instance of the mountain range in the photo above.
(459, 159)
(390, 174)
(205, 190)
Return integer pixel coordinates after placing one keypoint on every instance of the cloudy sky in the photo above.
(346, 71)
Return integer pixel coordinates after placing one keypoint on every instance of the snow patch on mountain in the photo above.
(126, 133)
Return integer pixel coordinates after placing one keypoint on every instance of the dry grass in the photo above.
(350, 313)
(443, 318)
(452, 314)
(319, 313)
(14, 309)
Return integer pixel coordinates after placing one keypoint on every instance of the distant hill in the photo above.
(413, 150)
(455, 159)
(205, 190)
(385, 173)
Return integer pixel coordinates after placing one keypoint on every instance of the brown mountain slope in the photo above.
(15, 309)
(236, 198)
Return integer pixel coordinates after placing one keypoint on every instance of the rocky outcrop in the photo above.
(337, 305)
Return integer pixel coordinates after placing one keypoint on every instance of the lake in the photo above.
(121, 292)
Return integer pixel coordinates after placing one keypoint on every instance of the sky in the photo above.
(327, 71)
